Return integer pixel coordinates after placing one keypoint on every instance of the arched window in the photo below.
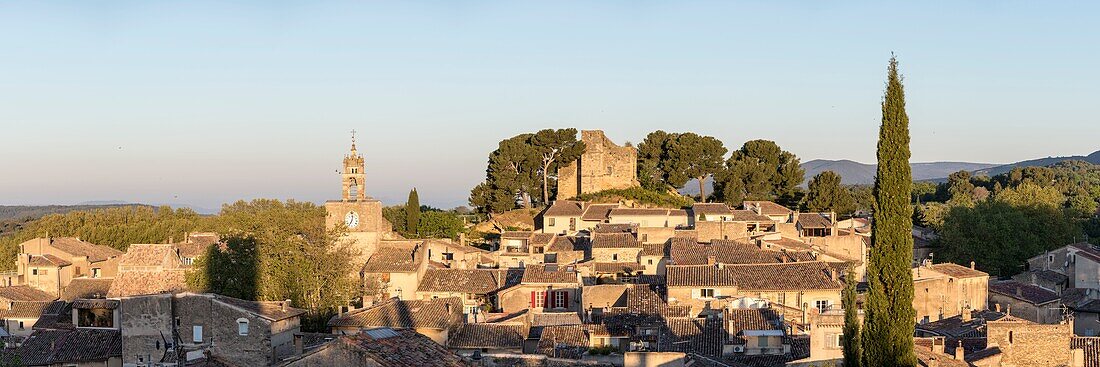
(242, 326)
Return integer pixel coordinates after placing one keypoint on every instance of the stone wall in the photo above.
(1028, 344)
(603, 166)
(145, 323)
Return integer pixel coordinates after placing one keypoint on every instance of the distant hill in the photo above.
(13, 217)
(855, 173)
(1093, 158)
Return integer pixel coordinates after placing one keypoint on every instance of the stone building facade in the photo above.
(603, 166)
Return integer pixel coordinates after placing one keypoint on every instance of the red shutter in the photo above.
(546, 299)
(565, 295)
(532, 299)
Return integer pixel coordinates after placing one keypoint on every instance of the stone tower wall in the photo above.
(603, 166)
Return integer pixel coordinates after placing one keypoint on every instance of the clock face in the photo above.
(351, 220)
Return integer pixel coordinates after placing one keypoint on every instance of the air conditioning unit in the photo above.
(739, 348)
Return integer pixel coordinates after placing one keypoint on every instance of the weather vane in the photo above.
(353, 138)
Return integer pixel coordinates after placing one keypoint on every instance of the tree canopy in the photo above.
(827, 195)
(520, 165)
(760, 170)
(667, 161)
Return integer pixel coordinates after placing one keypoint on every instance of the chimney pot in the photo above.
(299, 345)
(960, 353)
(997, 307)
(971, 265)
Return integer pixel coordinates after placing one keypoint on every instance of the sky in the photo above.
(203, 103)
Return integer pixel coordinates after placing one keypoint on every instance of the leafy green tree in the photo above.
(887, 334)
(1000, 235)
(863, 196)
(924, 191)
(412, 212)
(960, 188)
(827, 195)
(760, 170)
(554, 148)
(691, 156)
(652, 159)
(489, 199)
(850, 338)
(1030, 194)
(440, 224)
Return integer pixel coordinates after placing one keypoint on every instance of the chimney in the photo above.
(971, 265)
(938, 345)
(447, 305)
(960, 354)
(997, 307)
(1034, 279)
(1019, 292)
(298, 344)
(284, 304)
(462, 239)
(832, 274)
(711, 260)
(967, 314)
(1008, 309)
(1078, 358)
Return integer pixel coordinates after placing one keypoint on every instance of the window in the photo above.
(448, 256)
(1050, 258)
(44, 272)
(196, 333)
(242, 326)
(34, 271)
(706, 293)
(839, 341)
(763, 341)
(822, 305)
(95, 272)
(540, 298)
(552, 222)
(559, 300)
(645, 236)
(615, 257)
(20, 325)
(96, 317)
(650, 261)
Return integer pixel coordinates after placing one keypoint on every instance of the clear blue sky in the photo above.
(206, 102)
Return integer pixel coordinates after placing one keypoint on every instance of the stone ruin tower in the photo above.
(603, 166)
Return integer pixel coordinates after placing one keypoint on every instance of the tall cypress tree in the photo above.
(888, 328)
(412, 212)
(851, 340)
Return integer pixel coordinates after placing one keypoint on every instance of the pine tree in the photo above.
(412, 212)
(851, 340)
(888, 328)
(826, 194)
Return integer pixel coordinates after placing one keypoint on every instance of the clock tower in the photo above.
(361, 214)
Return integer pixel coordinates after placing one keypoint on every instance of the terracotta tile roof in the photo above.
(19, 293)
(1091, 346)
(554, 319)
(615, 240)
(482, 335)
(711, 209)
(749, 216)
(790, 244)
(55, 347)
(768, 207)
(570, 341)
(404, 348)
(688, 252)
(476, 281)
(616, 228)
(598, 212)
(636, 212)
(138, 283)
(87, 288)
(1025, 292)
(150, 255)
(616, 267)
(703, 336)
(565, 208)
(550, 274)
(1049, 276)
(655, 249)
(393, 258)
(756, 277)
(48, 260)
(814, 220)
(271, 310)
(404, 314)
(197, 244)
(518, 235)
(1087, 250)
(955, 327)
(76, 247)
(24, 309)
(542, 239)
(567, 243)
(508, 277)
(958, 271)
(741, 319)
(58, 315)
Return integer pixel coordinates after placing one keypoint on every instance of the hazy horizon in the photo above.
(203, 103)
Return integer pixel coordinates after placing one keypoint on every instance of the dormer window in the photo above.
(242, 326)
